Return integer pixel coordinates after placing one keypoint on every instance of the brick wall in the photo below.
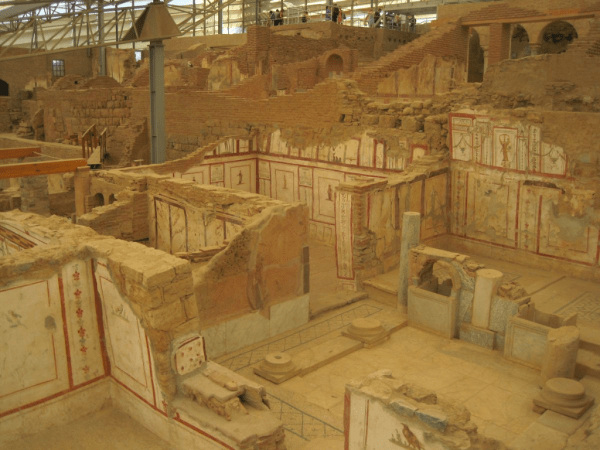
(512, 9)
(450, 39)
(5, 122)
(188, 113)
(126, 219)
(36, 71)
(499, 42)
(270, 45)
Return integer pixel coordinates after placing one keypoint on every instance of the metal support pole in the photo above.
(74, 29)
(34, 35)
(157, 102)
(220, 18)
(117, 25)
(133, 13)
(257, 12)
(102, 49)
(194, 18)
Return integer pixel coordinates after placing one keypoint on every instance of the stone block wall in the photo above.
(34, 194)
(126, 218)
(100, 316)
(36, 71)
(5, 119)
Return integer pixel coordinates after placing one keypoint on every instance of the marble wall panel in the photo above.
(325, 182)
(13, 240)
(82, 322)
(33, 343)
(525, 342)
(284, 178)
(162, 219)
(504, 144)
(374, 426)
(434, 214)
(432, 311)
(344, 239)
(179, 227)
(241, 176)
(171, 225)
(490, 208)
(199, 174)
(126, 342)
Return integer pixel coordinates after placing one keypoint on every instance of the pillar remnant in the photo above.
(34, 194)
(82, 184)
(411, 233)
(560, 356)
(486, 287)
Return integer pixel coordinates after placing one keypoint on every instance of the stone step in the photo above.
(589, 338)
(383, 288)
(320, 355)
(337, 300)
(588, 363)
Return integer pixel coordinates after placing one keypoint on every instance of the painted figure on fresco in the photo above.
(284, 183)
(504, 140)
(240, 178)
(329, 193)
(412, 442)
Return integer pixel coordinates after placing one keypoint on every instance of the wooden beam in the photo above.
(545, 18)
(9, 153)
(40, 168)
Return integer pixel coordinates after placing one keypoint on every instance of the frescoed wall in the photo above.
(271, 166)
(521, 195)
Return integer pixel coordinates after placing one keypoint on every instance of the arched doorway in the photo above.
(111, 199)
(556, 37)
(3, 88)
(334, 65)
(98, 200)
(519, 45)
(476, 59)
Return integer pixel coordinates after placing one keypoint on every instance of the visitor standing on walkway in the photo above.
(335, 12)
(369, 19)
(377, 17)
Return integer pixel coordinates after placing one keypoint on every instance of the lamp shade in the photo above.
(154, 24)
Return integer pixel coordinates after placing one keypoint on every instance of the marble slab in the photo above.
(431, 311)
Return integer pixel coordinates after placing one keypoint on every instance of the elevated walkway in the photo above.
(445, 40)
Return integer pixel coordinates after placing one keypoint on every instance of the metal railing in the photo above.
(301, 423)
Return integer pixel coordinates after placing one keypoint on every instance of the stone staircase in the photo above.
(588, 356)
(445, 40)
(383, 288)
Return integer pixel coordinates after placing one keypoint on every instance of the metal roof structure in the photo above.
(31, 26)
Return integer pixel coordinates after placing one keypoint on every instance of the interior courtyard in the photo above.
(352, 226)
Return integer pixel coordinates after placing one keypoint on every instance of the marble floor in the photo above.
(106, 429)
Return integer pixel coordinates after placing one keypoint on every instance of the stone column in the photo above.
(561, 354)
(411, 234)
(486, 286)
(535, 48)
(82, 183)
(34, 194)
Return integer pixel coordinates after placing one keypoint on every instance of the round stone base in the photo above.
(366, 328)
